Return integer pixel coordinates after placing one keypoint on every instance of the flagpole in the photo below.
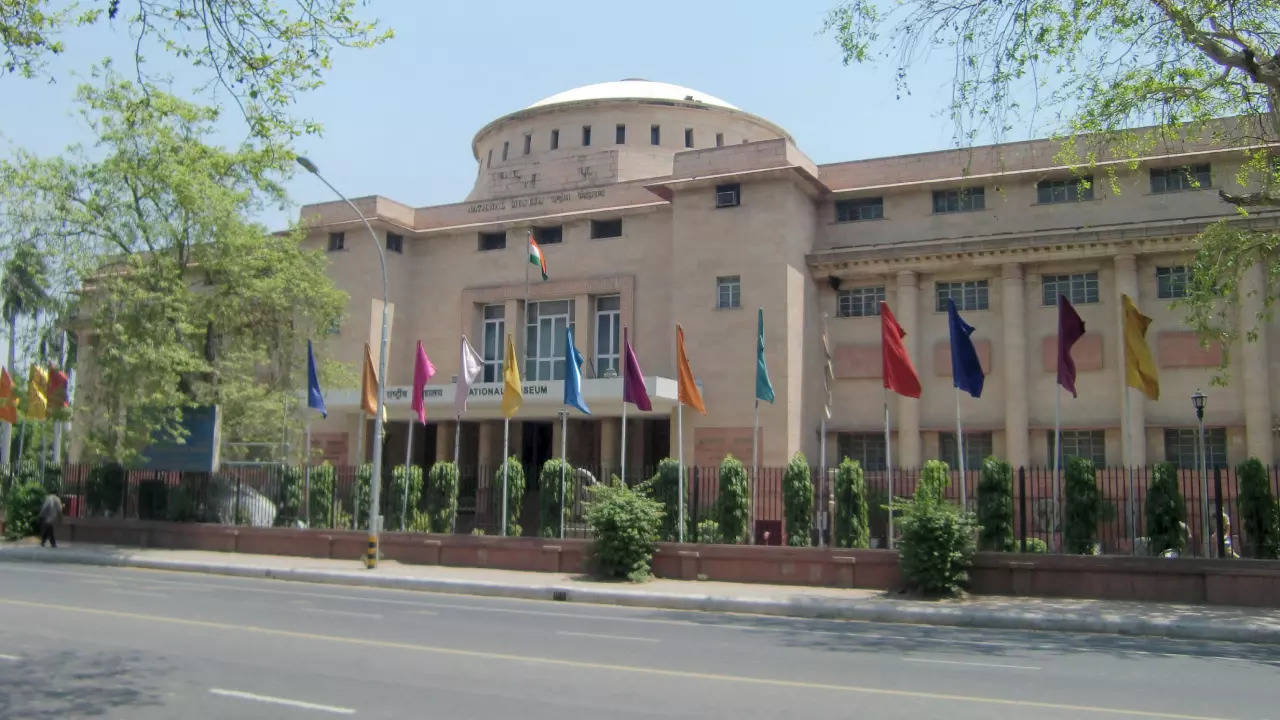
(964, 495)
(680, 461)
(408, 453)
(564, 458)
(822, 481)
(457, 438)
(624, 441)
(1128, 441)
(1057, 462)
(888, 464)
(306, 478)
(755, 470)
(506, 433)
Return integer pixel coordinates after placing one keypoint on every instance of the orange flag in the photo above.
(8, 398)
(687, 386)
(369, 384)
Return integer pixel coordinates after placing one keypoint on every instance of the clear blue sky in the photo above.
(399, 118)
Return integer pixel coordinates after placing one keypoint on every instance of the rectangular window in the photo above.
(528, 143)
(655, 135)
(859, 302)
(719, 139)
(865, 448)
(728, 195)
(1177, 179)
(1181, 447)
(505, 146)
(620, 134)
(969, 295)
(1087, 444)
(555, 139)
(1078, 287)
(1064, 191)
(544, 339)
(494, 343)
(1171, 282)
(586, 136)
(395, 243)
(859, 209)
(608, 335)
(549, 235)
(962, 200)
(492, 241)
(977, 447)
(337, 241)
(688, 137)
(729, 291)
(488, 161)
(606, 229)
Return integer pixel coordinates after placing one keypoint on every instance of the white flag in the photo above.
(468, 371)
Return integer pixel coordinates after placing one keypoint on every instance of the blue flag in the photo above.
(315, 399)
(573, 374)
(966, 371)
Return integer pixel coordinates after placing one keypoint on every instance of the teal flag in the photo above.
(764, 388)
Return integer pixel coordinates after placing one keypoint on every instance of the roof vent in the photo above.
(634, 80)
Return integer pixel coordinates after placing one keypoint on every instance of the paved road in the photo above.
(119, 643)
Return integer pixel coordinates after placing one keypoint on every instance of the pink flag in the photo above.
(633, 390)
(422, 372)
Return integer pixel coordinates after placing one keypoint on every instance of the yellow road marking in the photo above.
(633, 669)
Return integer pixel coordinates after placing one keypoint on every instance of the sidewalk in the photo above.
(1254, 625)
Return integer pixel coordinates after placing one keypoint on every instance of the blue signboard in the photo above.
(197, 452)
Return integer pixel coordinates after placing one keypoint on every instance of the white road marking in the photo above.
(605, 637)
(144, 593)
(972, 664)
(372, 616)
(282, 701)
(423, 612)
(14, 658)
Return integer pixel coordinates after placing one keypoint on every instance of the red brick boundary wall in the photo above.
(1215, 582)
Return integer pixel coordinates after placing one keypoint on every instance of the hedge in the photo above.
(797, 501)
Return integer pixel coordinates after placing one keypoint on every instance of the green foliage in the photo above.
(625, 525)
(708, 532)
(397, 517)
(1036, 545)
(732, 503)
(1259, 512)
(1166, 511)
(515, 494)
(937, 542)
(363, 494)
(420, 522)
(104, 489)
(797, 501)
(1083, 507)
(852, 527)
(477, 532)
(664, 487)
(995, 506)
(555, 480)
(22, 509)
(153, 499)
(442, 497)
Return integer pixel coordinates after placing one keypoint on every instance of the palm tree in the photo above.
(23, 292)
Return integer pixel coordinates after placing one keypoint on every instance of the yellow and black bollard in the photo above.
(371, 558)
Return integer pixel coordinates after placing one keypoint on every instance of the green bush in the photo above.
(625, 525)
(153, 499)
(1166, 511)
(852, 528)
(732, 506)
(664, 487)
(361, 490)
(1036, 545)
(183, 505)
(1083, 507)
(1258, 511)
(708, 532)
(419, 522)
(22, 509)
(442, 497)
(323, 481)
(105, 489)
(399, 513)
(555, 480)
(797, 501)
(995, 506)
(515, 494)
(937, 543)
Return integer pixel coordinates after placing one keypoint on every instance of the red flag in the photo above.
(1070, 329)
(899, 375)
(57, 388)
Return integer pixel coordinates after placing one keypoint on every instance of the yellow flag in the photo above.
(369, 384)
(37, 407)
(512, 398)
(1139, 368)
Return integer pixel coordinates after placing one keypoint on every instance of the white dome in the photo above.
(632, 89)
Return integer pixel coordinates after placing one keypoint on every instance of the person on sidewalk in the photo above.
(50, 514)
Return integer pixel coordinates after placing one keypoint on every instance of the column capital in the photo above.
(907, 278)
(1011, 271)
(1126, 262)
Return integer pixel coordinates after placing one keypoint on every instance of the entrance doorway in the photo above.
(535, 450)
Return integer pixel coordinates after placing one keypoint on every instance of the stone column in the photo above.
(490, 450)
(444, 440)
(1134, 441)
(1013, 306)
(513, 322)
(610, 434)
(907, 419)
(1255, 381)
(584, 332)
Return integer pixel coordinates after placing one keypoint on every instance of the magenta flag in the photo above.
(422, 372)
(632, 378)
(1070, 328)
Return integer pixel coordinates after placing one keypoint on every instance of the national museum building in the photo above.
(656, 204)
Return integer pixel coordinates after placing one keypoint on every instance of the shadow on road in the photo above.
(68, 684)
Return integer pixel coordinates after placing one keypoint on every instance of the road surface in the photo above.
(79, 641)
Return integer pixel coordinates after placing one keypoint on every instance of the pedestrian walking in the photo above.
(50, 514)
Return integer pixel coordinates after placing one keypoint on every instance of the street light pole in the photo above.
(371, 560)
(1198, 401)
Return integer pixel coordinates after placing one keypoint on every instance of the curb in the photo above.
(879, 611)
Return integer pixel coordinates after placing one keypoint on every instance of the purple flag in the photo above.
(632, 378)
(1070, 328)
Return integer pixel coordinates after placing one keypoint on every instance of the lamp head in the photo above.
(1198, 399)
(307, 164)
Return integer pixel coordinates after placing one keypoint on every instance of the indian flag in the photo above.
(535, 256)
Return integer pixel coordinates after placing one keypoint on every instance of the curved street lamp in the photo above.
(375, 482)
(1198, 400)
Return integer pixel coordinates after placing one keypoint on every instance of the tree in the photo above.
(1103, 67)
(185, 302)
(24, 291)
(263, 53)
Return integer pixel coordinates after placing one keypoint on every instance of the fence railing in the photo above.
(279, 496)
